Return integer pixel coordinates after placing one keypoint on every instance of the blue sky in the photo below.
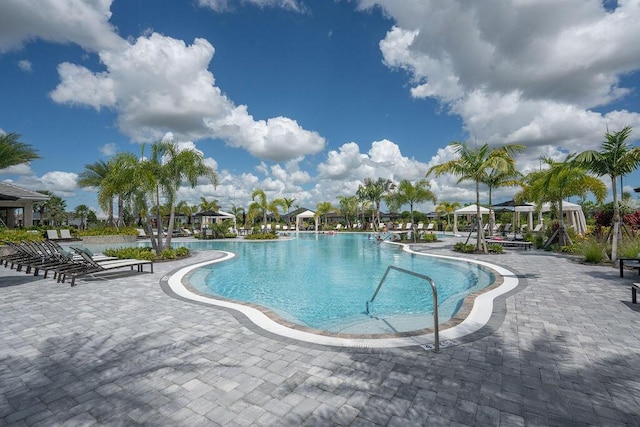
(305, 99)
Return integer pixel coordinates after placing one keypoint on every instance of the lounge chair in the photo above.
(92, 266)
(141, 233)
(53, 235)
(65, 234)
(430, 227)
(186, 232)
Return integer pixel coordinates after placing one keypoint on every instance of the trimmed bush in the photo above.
(495, 248)
(137, 253)
(466, 248)
(19, 235)
(261, 236)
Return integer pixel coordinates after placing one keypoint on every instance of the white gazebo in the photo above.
(467, 210)
(305, 215)
(574, 216)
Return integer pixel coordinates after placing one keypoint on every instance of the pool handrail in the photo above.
(435, 299)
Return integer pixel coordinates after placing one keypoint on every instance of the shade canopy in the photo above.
(467, 210)
(215, 216)
(305, 215)
(572, 212)
(471, 209)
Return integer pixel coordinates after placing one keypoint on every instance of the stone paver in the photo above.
(564, 350)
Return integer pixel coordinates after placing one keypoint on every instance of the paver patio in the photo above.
(564, 350)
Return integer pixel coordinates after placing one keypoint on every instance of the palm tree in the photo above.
(287, 207)
(13, 152)
(95, 175)
(55, 210)
(374, 191)
(206, 205)
(496, 178)
(412, 194)
(616, 159)
(448, 208)
(238, 211)
(472, 164)
(348, 208)
(262, 206)
(322, 209)
(81, 211)
(178, 166)
(560, 181)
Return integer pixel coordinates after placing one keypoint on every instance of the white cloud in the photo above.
(25, 65)
(82, 22)
(180, 97)
(21, 169)
(109, 149)
(519, 71)
(227, 5)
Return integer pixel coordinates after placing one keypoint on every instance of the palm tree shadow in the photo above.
(545, 382)
(7, 281)
(92, 378)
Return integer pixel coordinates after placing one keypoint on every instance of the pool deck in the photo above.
(564, 350)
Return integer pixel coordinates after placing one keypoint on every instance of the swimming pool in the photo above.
(323, 282)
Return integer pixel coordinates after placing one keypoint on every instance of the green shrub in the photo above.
(109, 231)
(261, 236)
(593, 251)
(182, 251)
(496, 248)
(137, 253)
(629, 248)
(168, 254)
(19, 235)
(429, 237)
(466, 248)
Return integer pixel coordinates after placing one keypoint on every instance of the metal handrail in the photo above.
(435, 298)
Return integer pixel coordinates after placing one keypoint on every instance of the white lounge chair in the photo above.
(53, 235)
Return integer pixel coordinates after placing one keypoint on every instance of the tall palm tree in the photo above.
(322, 209)
(262, 206)
(348, 208)
(560, 181)
(374, 191)
(615, 160)
(55, 210)
(287, 203)
(412, 194)
(496, 178)
(472, 164)
(447, 208)
(206, 205)
(178, 167)
(13, 152)
(238, 211)
(81, 211)
(95, 175)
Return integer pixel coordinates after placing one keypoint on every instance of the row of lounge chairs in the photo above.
(48, 256)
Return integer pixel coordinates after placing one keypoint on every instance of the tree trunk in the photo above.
(616, 223)
(481, 245)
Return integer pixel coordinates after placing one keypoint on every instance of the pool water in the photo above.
(324, 281)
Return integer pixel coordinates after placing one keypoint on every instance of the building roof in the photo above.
(13, 192)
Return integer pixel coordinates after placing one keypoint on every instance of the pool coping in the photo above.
(481, 311)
